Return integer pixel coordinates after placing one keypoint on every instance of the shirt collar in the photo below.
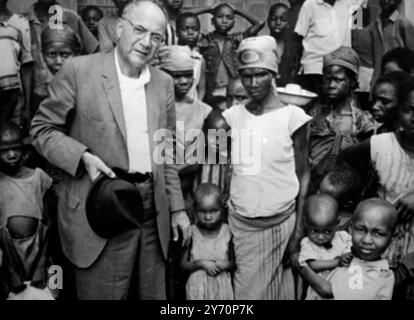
(378, 264)
(143, 78)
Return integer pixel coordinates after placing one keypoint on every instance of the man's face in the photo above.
(389, 6)
(223, 19)
(174, 4)
(257, 82)
(278, 20)
(183, 80)
(336, 84)
(188, 32)
(140, 32)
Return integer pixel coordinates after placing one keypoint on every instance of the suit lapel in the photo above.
(113, 92)
(153, 110)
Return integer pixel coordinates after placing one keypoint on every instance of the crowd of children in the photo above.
(328, 213)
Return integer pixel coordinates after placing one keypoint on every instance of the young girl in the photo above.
(209, 259)
(324, 249)
(23, 222)
(392, 156)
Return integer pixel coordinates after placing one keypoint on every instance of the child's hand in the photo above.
(345, 259)
(211, 267)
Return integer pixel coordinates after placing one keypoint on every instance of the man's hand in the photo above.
(345, 259)
(94, 166)
(179, 220)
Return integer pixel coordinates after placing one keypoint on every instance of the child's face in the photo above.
(55, 55)
(236, 93)
(11, 151)
(208, 211)
(385, 100)
(183, 80)
(257, 82)
(336, 84)
(223, 19)
(91, 20)
(188, 32)
(278, 20)
(321, 229)
(389, 5)
(406, 113)
(371, 232)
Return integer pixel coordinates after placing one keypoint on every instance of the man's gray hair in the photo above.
(133, 3)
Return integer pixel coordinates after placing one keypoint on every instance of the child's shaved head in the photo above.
(384, 211)
(206, 190)
(321, 209)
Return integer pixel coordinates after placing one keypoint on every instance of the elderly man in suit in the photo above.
(102, 113)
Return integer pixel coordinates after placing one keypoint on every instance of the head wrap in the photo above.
(176, 58)
(344, 57)
(258, 52)
(285, 3)
(65, 35)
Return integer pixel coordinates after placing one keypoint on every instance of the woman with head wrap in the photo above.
(269, 177)
(59, 45)
(337, 120)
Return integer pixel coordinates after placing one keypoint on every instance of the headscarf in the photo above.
(176, 58)
(344, 57)
(65, 35)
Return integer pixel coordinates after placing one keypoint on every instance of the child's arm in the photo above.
(323, 265)
(321, 286)
(230, 264)
(191, 266)
(257, 25)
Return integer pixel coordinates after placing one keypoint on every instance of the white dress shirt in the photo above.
(134, 105)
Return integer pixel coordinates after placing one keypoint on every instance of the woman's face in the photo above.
(385, 100)
(55, 55)
(257, 82)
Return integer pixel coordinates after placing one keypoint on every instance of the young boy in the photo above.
(107, 28)
(91, 15)
(236, 93)
(173, 9)
(323, 26)
(287, 45)
(188, 33)
(324, 248)
(390, 30)
(15, 67)
(367, 277)
(219, 47)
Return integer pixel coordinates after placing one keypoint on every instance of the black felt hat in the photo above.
(113, 206)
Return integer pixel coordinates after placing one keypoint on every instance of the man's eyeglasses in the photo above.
(140, 32)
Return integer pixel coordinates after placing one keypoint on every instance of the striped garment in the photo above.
(259, 251)
(395, 169)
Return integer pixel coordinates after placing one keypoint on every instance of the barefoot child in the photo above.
(324, 249)
(23, 222)
(209, 259)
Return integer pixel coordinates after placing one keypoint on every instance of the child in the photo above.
(91, 15)
(59, 45)
(15, 67)
(188, 33)
(384, 108)
(209, 259)
(398, 59)
(323, 26)
(236, 93)
(107, 28)
(392, 156)
(365, 276)
(173, 9)
(219, 47)
(178, 62)
(23, 224)
(324, 249)
(390, 30)
(288, 47)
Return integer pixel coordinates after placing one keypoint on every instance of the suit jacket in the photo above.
(84, 112)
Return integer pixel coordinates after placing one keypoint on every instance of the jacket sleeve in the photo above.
(51, 123)
(172, 180)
